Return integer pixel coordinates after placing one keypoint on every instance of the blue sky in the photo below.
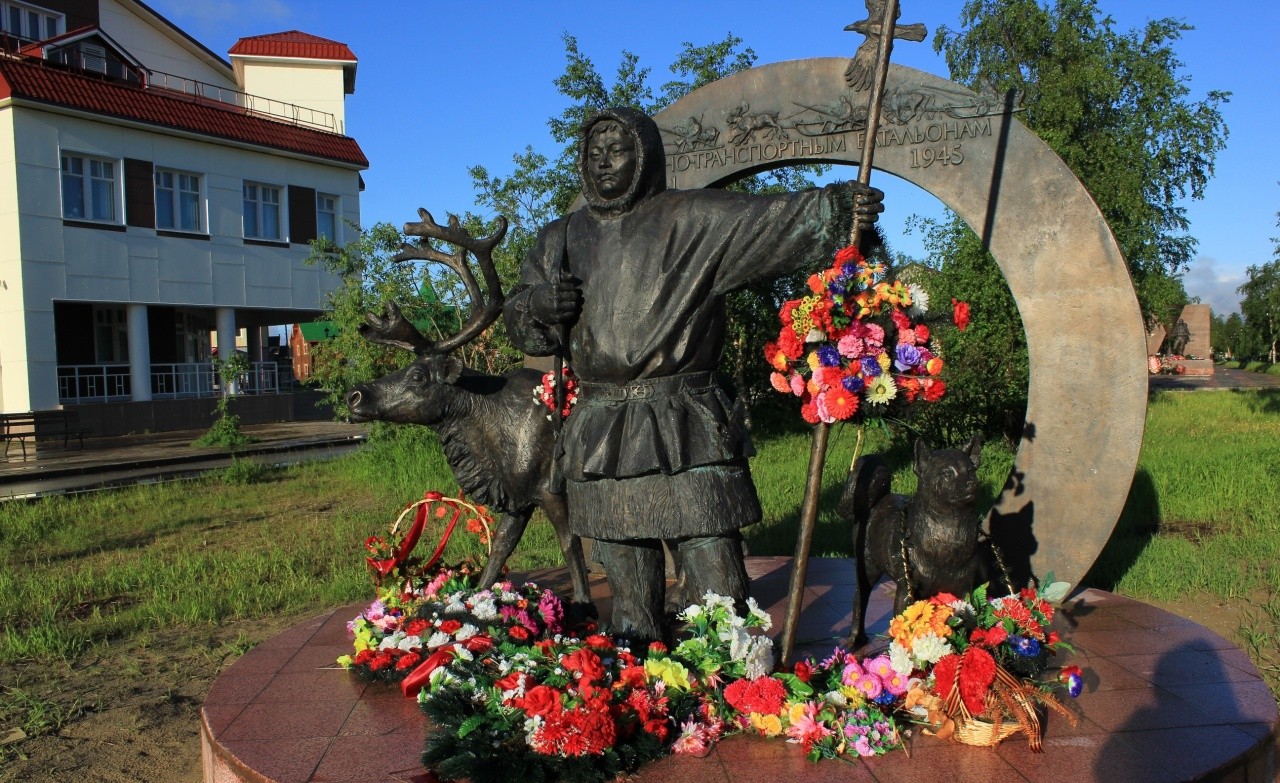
(442, 86)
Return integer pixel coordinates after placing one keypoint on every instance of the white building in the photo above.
(151, 193)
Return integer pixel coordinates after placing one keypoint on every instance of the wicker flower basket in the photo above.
(1012, 705)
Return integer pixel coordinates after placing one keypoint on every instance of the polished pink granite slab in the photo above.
(1165, 700)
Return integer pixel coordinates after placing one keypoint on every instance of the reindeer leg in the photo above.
(510, 528)
(580, 607)
(858, 630)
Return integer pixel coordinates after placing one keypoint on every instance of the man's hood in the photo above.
(651, 161)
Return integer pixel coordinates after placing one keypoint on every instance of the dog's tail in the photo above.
(868, 481)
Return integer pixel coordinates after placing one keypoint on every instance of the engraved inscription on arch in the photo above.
(1077, 460)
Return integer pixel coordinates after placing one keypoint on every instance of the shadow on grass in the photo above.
(1260, 400)
(1138, 524)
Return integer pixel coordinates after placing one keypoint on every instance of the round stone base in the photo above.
(1165, 699)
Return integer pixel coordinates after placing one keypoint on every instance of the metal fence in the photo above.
(79, 383)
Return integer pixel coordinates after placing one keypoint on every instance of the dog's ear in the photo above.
(974, 449)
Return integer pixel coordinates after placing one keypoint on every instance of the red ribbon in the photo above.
(418, 678)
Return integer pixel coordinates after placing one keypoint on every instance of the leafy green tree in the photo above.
(370, 281)
(1115, 106)
(1227, 335)
(1261, 303)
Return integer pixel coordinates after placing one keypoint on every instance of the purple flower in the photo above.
(852, 384)
(828, 355)
(870, 367)
(1024, 645)
(906, 357)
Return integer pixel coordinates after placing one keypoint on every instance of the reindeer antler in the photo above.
(486, 304)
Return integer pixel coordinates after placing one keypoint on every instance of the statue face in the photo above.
(611, 160)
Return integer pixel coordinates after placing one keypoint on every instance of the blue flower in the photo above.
(870, 367)
(1024, 645)
(906, 357)
(852, 384)
(885, 697)
(828, 355)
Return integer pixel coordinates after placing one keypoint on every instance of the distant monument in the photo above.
(1190, 339)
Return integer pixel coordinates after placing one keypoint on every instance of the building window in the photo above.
(88, 188)
(177, 201)
(262, 211)
(110, 334)
(327, 216)
(29, 22)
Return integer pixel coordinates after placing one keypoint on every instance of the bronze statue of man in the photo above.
(655, 449)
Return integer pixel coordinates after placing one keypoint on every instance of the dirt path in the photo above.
(131, 714)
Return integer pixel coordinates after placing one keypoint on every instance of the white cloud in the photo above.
(1215, 284)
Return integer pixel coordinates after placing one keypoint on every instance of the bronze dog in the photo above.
(927, 543)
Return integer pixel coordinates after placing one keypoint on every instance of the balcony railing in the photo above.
(87, 383)
(254, 104)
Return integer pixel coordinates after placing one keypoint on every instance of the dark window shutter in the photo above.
(302, 214)
(139, 194)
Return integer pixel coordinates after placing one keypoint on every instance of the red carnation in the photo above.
(922, 334)
(509, 683)
(903, 323)
(934, 388)
(518, 632)
(657, 648)
(787, 313)
(790, 343)
(363, 657)
(960, 313)
(977, 672)
(632, 677)
(809, 410)
(478, 644)
(764, 695)
(599, 641)
(380, 661)
(416, 626)
(846, 254)
(657, 727)
(407, 660)
(449, 626)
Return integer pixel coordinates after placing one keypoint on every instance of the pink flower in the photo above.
(851, 346)
(870, 685)
(863, 747)
(693, 740)
(797, 384)
(879, 666)
(779, 382)
(896, 684)
(875, 338)
(852, 671)
(806, 729)
(824, 414)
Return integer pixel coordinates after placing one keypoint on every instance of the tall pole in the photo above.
(821, 431)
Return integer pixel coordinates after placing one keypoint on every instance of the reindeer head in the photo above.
(419, 393)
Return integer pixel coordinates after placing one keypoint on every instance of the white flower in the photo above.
(485, 610)
(466, 632)
(455, 606)
(710, 600)
(760, 659)
(390, 642)
(900, 659)
(463, 653)
(739, 643)
(814, 336)
(836, 699)
(409, 643)
(930, 648)
(438, 639)
(692, 613)
(919, 300)
(759, 615)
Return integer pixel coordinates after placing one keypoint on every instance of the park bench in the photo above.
(41, 425)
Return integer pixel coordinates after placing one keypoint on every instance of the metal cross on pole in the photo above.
(863, 71)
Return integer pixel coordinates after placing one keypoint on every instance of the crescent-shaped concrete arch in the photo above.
(1088, 386)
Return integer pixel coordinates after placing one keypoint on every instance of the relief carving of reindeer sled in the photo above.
(497, 439)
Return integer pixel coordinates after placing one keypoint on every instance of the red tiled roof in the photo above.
(293, 43)
(52, 85)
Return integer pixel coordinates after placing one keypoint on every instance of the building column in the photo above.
(139, 352)
(225, 319)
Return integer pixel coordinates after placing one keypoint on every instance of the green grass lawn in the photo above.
(89, 574)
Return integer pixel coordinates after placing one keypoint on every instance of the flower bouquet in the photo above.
(978, 661)
(850, 348)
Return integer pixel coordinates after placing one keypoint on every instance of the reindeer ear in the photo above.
(922, 455)
(450, 369)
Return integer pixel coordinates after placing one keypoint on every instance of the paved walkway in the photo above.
(1221, 379)
(114, 461)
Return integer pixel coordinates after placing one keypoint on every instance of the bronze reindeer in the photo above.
(497, 438)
